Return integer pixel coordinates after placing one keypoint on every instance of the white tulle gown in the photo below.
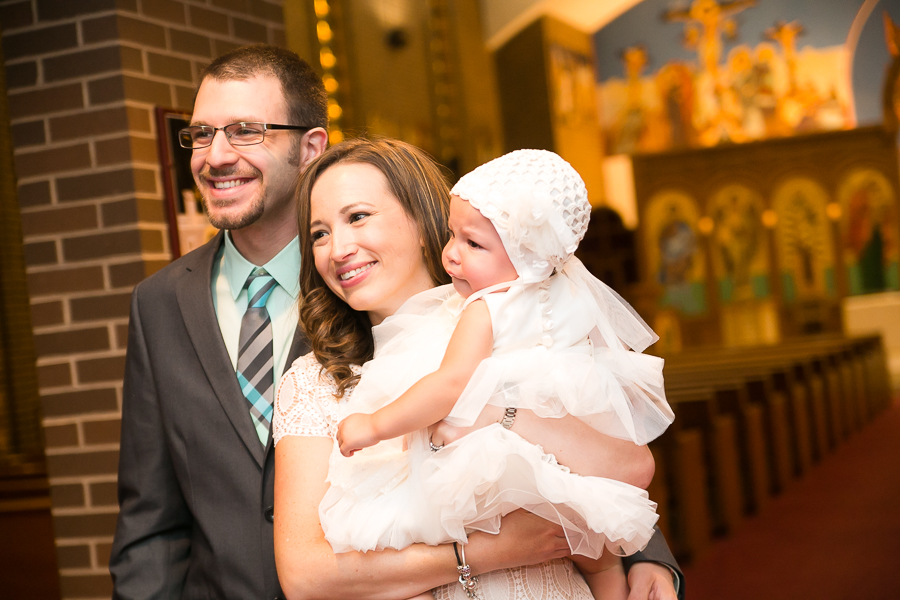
(551, 355)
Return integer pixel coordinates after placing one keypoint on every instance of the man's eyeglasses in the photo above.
(237, 134)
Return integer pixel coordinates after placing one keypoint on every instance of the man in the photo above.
(209, 337)
(194, 486)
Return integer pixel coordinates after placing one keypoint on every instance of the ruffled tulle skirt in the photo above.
(394, 498)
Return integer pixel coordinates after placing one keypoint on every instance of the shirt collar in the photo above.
(284, 267)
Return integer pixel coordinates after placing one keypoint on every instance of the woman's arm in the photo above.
(308, 568)
(431, 398)
(575, 444)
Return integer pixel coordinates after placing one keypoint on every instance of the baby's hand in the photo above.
(355, 433)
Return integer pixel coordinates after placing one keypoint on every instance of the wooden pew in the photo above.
(750, 420)
(759, 384)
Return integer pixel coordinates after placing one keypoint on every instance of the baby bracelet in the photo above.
(509, 416)
(468, 581)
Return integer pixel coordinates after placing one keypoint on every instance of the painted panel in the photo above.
(869, 231)
(804, 240)
(675, 257)
(740, 255)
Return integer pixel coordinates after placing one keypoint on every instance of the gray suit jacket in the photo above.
(195, 484)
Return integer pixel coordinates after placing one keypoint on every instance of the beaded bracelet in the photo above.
(468, 581)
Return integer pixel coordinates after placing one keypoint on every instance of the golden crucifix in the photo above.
(706, 21)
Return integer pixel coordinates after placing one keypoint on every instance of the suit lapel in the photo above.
(194, 295)
(299, 347)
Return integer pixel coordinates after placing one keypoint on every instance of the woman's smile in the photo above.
(351, 275)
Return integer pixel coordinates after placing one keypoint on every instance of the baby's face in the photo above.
(474, 257)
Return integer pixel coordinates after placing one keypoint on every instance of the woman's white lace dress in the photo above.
(306, 406)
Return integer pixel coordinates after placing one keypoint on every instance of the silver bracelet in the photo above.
(509, 416)
(468, 581)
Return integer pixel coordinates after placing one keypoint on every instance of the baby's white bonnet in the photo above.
(538, 204)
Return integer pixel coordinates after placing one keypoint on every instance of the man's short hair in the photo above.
(304, 92)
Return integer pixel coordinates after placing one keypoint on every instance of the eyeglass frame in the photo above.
(266, 128)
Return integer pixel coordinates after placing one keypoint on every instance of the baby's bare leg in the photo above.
(423, 596)
(605, 576)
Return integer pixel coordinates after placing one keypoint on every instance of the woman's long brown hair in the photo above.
(338, 335)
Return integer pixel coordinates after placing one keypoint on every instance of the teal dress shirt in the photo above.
(230, 272)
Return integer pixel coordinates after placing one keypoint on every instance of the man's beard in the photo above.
(251, 213)
(230, 222)
(258, 206)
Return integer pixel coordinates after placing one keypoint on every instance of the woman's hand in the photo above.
(442, 433)
(524, 539)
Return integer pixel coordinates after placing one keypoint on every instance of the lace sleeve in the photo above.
(305, 405)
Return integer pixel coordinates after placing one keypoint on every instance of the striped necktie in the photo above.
(255, 371)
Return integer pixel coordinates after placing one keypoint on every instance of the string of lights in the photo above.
(328, 61)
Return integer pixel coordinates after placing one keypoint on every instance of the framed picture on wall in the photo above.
(188, 226)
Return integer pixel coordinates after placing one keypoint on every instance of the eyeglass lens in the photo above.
(239, 134)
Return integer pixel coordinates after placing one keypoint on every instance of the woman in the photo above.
(372, 225)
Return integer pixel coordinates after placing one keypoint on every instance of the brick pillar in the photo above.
(83, 78)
